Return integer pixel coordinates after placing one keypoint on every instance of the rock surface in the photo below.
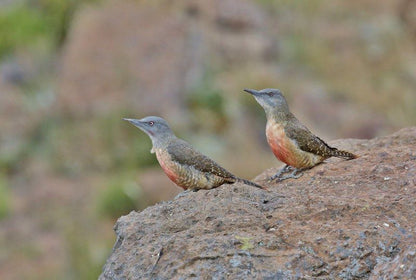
(340, 220)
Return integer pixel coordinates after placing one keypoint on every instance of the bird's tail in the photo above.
(343, 154)
(249, 183)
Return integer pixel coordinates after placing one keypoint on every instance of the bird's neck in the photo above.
(162, 141)
(277, 115)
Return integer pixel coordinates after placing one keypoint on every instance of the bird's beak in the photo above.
(252, 91)
(135, 122)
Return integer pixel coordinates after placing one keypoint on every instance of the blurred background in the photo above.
(70, 70)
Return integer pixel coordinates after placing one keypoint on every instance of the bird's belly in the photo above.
(169, 168)
(187, 177)
(282, 151)
(195, 179)
(286, 150)
(172, 175)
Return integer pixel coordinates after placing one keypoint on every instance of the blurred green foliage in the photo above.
(129, 146)
(119, 198)
(24, 24)
(277, 6)
(81, 263)
(102, 144)
(20, 26)
(4, 197)
(206, 102)
(208, 97)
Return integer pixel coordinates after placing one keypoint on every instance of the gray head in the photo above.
(271, 99)
(156, 127)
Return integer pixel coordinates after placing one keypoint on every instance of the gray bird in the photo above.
(291, 141)
(185, 166)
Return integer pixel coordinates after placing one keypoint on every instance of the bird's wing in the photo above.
(183, 153)
(306, 140)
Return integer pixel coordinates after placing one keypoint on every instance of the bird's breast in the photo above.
(280, 144)
(168, 166)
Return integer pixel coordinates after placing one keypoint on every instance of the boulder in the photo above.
(342, 219)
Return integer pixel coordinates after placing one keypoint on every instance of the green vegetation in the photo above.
(105, 143)
(81, 262)
(206, 102)
(20, 26)
(119, 198)
(208, 97)
(27, 24)
(4, 197)
(129, 146)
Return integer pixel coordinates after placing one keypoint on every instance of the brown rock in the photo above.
(342, 219)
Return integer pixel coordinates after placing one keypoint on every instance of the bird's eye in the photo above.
(270, 94)
(151, 123)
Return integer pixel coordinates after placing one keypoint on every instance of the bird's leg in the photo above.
(184, 193)
(279, 173)
(297, 173)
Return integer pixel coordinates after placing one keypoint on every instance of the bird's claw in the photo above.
(279, 174)
(293, 175)
(296, 173)
(273, 178)
(184, 193)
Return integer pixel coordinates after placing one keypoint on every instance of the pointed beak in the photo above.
(135, 122)
(252, 91)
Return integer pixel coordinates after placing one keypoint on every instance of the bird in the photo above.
(186, 167)
(291, 141)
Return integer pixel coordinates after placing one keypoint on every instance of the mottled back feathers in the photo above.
(311, 143)
(183, 153)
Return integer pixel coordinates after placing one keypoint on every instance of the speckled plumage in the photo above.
(291, 141)
(185, 166)
(190, 169)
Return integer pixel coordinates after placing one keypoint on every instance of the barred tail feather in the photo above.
(343, 154)
(249, 183)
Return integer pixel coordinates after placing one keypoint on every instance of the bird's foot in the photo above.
(184, 193)
(297, 173)
(279, 173)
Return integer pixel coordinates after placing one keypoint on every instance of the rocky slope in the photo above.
(342, 219)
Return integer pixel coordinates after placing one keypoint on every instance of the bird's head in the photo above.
(270, 99)
(156, 127)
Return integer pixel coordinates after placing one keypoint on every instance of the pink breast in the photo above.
(280, 144)
(169, 169)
